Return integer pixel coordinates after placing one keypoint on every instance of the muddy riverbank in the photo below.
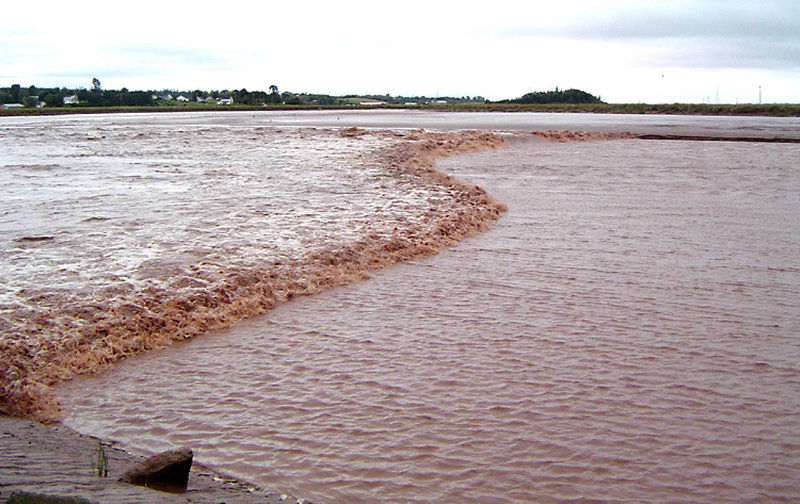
(55, 461)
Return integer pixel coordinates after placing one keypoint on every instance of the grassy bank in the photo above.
(773, 110)
(769, 110)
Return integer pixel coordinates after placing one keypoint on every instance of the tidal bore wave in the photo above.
(54, 335)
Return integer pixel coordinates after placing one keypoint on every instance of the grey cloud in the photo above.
(138, 61)
(87, 72)
(681, 26)
(162, 54)
(711, 35)
(775, 20)
(720, 53)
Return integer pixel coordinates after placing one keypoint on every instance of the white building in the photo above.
(225, 101)
(70, 100)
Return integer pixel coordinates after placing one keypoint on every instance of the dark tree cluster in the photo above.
(32, 96)
(112, 98)
(54, 97)
(557, 96)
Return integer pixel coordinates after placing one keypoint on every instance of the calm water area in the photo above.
(629, 331)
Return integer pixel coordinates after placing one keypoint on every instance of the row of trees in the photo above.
(54, 97)
(97, 97)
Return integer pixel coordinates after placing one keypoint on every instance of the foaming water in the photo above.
(120, 236)
(627, 332)
(114, 200)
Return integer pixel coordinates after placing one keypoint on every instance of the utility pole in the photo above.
(759, 94)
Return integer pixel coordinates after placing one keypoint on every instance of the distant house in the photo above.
(181, 98)
(225, 101)
(371, 103)
(410, 103)
(167, 96)
(70, 100)
(155, 97)
(11, 105)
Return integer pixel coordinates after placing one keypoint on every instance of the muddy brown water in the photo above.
(628, 331)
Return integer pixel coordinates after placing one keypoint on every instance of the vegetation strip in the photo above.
(33, 100)
(700, 138)
(772, 110)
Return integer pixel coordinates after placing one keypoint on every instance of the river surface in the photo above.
(713, 126)
(628, 331)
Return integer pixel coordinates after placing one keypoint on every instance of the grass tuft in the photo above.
(100, 461)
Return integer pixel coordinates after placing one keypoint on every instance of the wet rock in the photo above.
(167, 471)
(28, 239)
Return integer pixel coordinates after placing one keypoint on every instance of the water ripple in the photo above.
(629, 332)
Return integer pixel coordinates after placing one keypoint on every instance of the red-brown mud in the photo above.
(70, 335)
(577, 136)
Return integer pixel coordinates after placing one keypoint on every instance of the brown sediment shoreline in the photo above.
(71, 340)
(584, 136)
(702, 138)
(577, 136)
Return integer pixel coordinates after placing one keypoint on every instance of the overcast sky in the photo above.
(655, 52)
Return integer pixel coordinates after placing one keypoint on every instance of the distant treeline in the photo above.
(40, 100)
(39, 97)
(34, 96)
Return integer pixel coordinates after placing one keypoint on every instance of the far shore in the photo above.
(765, 110)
